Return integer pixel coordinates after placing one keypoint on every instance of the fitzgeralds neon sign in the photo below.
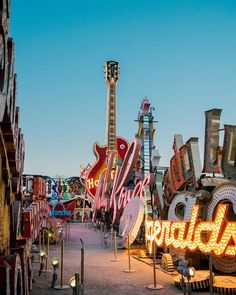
(218, 236)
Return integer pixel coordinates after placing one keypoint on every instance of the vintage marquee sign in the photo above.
(185, 167)
(60, 211)
(218, 236)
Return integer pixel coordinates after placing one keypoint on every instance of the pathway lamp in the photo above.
(61, 286)
(55, 264)
(60, 229)
(33, 250)
(186, 272)
(190, 272)
(74, 283)
(42, 255)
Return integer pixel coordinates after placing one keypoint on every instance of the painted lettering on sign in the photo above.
(218, 159)
(91, 183)
(185, 167)
(216, 236)
(60, 211)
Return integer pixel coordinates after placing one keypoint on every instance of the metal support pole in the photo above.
(77, 284)
(101, 236)
(40, 246)
(68, 231)
(115, 248)
(82, 267)
(115, 245)
(62, 260)
(129, 253)
(183, 285)
(211, 274)
(40, 240)
(61, 286)
(47, 257)
(43, 240)
(154, 286)
(83, 209)
(154, 264)
(56, 237)
(112, 235)
(105, 236)
(129, 256)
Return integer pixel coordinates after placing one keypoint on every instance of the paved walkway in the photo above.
(102, 276)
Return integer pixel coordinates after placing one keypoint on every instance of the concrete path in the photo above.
(102, 276)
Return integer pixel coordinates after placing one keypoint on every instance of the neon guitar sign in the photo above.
(114, 144)
(115, 194)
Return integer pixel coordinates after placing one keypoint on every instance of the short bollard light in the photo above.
(189, 273)
(74, 283)
(186, 272)
(33, 250)
(55, 264)
(60, 230)
(42, 255)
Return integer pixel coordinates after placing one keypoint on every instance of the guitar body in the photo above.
(99, 167)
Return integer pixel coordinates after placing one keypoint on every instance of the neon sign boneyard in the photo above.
(216, 236)
(185, 165)
(117, 196)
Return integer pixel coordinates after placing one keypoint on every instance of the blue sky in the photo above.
(180, 54)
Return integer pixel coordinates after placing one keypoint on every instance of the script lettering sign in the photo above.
(218, 236)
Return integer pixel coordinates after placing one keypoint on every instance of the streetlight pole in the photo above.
(154, 286)
(211, 273)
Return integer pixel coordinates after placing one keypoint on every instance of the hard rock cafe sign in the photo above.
(218, 236)
(115, 194)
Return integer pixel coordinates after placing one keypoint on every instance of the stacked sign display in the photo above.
(197, 207)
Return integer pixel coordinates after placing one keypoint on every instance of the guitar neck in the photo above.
(111, 117)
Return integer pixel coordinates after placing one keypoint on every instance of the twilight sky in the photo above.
(181, 54)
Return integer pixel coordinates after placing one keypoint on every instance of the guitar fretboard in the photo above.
(111, 117)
